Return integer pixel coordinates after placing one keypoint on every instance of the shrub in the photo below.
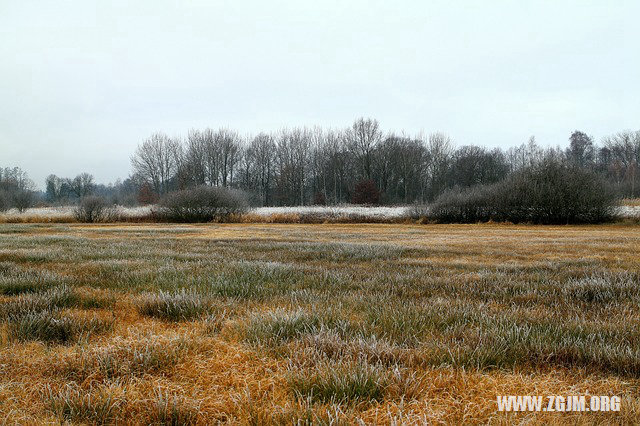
(23, 199)
(319, 199)
(366, 192)
(202, 204)
(476, 204)
(93, 209)
(146, 195)
(551, 192)
(555, 192)
(418, 211)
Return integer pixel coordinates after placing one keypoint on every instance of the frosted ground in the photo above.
(376, 212)
(65, 213)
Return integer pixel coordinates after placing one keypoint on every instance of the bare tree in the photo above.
(332, 164)
(82, 185)
(54, 186)
(364, 136)
(439, 153)
(157, 160)
(16, 189)
(286, 169)
(624, 152)
(263, 150)
(581, 151)
(400, 168)
(196, 157)
(525, 155)
(228, 142)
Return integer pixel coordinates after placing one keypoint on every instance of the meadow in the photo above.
(315, 323)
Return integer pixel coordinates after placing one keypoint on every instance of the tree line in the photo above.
(302, 166)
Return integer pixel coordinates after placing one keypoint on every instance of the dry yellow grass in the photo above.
(346, 279)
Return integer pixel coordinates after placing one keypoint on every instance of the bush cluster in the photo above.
(551, 192)
(202, 204)
(92, 209)
(20, 199)
(366, 192)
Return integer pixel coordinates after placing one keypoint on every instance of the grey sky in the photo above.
(83, 82)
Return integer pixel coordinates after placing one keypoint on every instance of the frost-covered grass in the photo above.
(53, 327)
(336, 211)
(630, 209)
(178, 306)
(328, 214)
(39, 214)
(315, 324)
(65, 214)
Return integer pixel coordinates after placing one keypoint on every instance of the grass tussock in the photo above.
(15, 280)
(97, 406)
(254, 281)
(54, 327)
(214, 322)
(280, 326)
(94, 301)
(52, 300)
(330, 345)
(179, 306)
(340, 383)
(134, 357)
(167, 408)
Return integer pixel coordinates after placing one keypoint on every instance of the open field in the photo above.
(268, 323)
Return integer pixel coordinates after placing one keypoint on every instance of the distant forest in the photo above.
(303, 166)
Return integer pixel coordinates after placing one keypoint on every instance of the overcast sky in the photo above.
(83, 82)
